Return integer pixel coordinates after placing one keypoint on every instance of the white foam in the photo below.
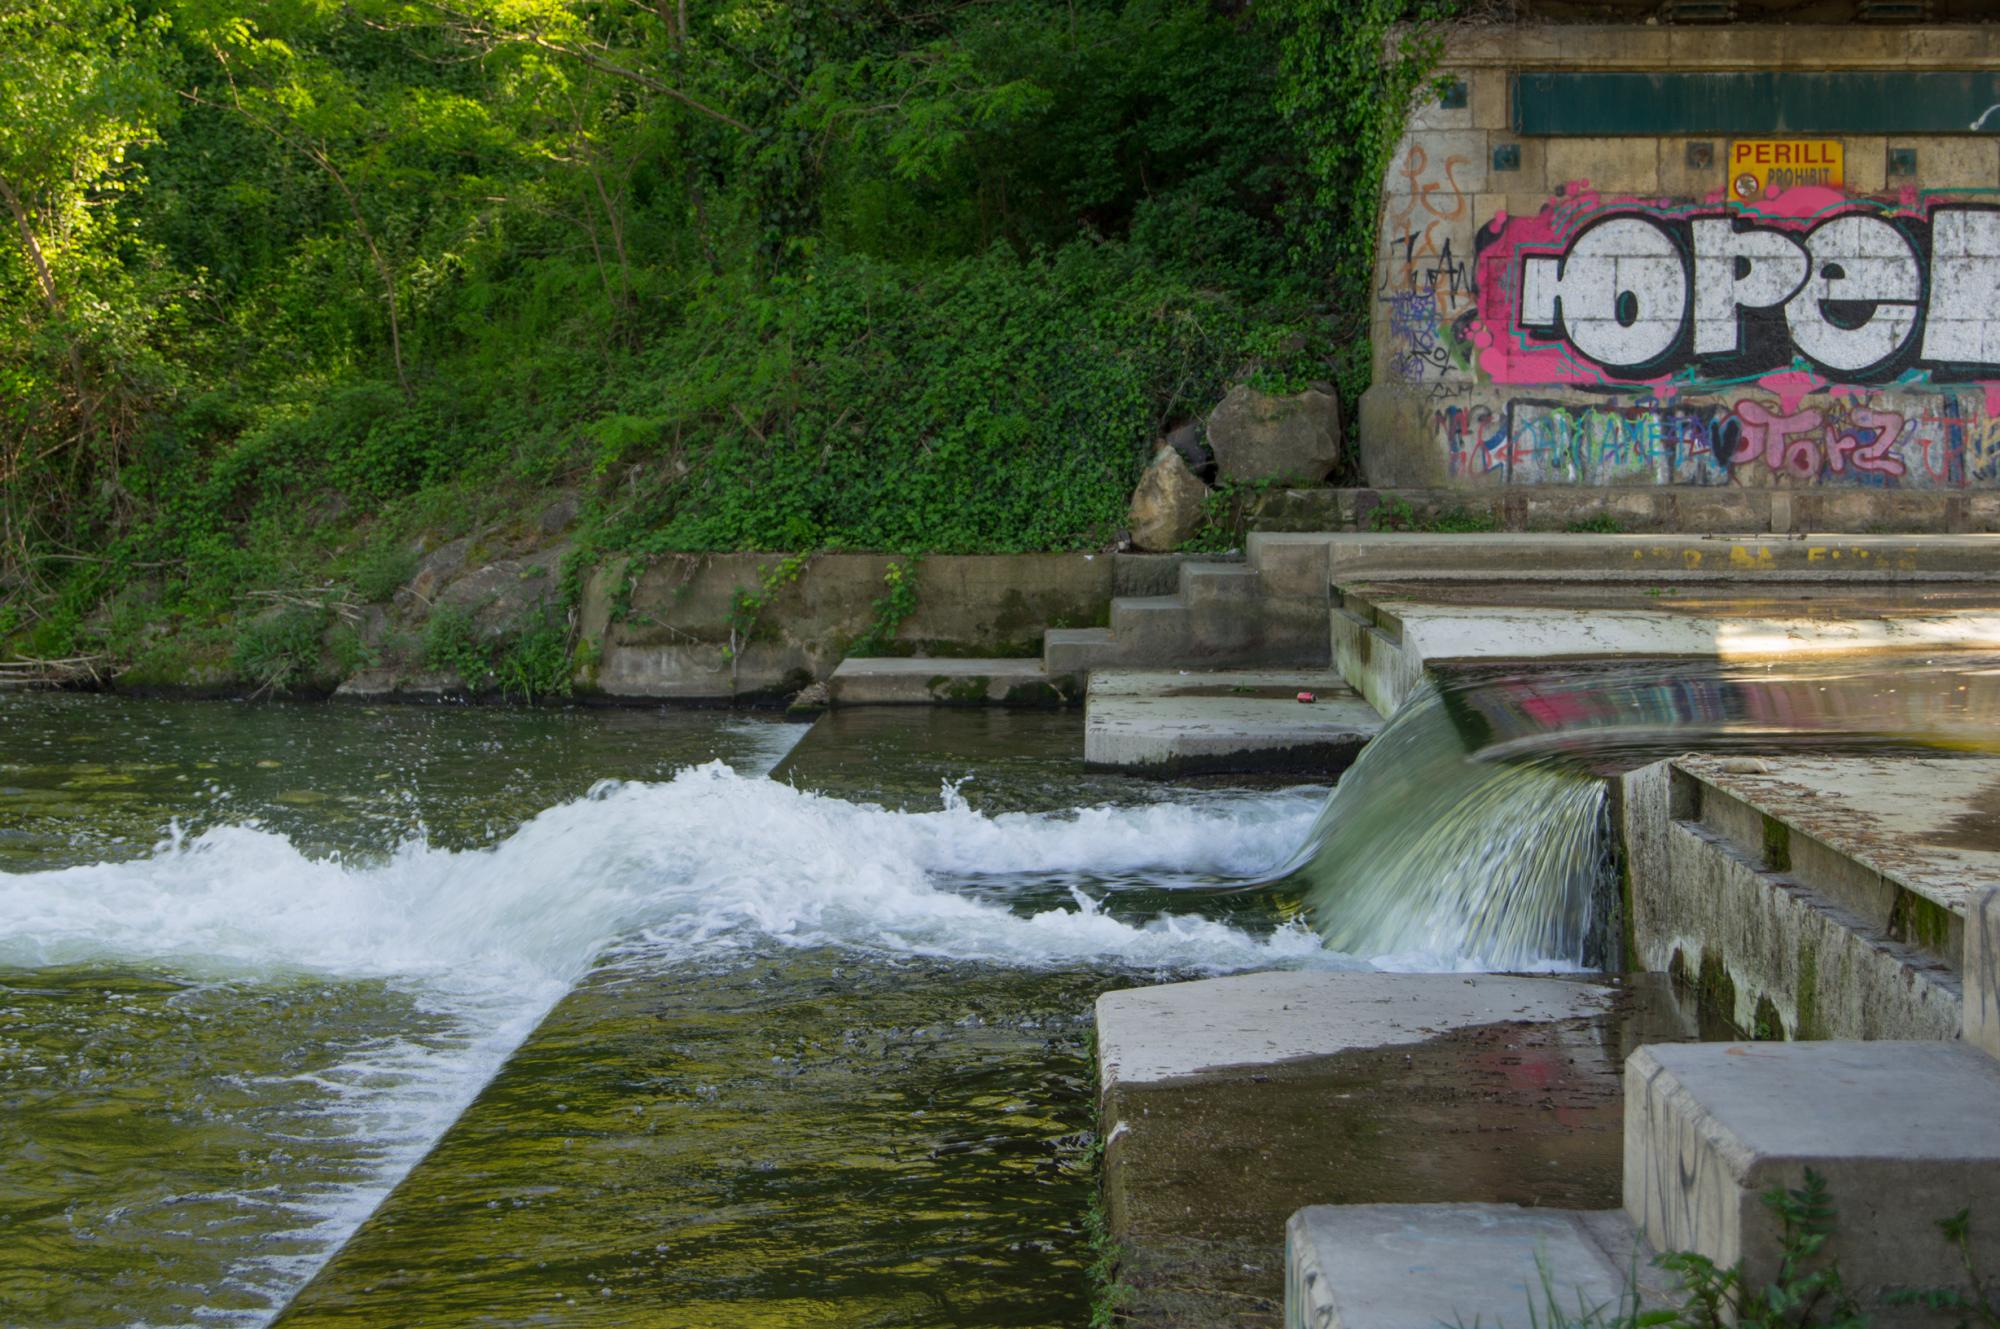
(707, 859)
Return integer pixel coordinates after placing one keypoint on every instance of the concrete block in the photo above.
(1964, 162)
(1172, 1030)
(1068, 653)
(1607, 165)
(1430, 114)
(1982, 975)
(1725, 46)
(898, 681)
(1904, 1134)
(1679, 179)
(1178, 722)
(1231, 1103)
(1491, 92)
(1847, 46)
(1866, 164)
(1422, 1266)
(1441, 165)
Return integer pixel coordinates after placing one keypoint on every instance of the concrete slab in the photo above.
(928, 682)
(1423, 1266)
(1181, 722)
(1528, 556)
(1982, 975)
(1152, 1034)
(1767, 951)
(1385, 637)
(1909, 843)
(1229, 1104)
(1903, 1132)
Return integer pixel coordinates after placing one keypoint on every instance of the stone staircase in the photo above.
(1902, 1132)
(1265, 610)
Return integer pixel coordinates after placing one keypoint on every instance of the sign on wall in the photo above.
(1761, 168)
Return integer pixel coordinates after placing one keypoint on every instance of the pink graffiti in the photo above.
(1800, 442)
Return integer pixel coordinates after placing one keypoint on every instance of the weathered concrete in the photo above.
(1178, 722)
(1230, 1104)
(1423, 1266)
(1767, 951)
(684, 629)
(1386, 635)
(1982, 975)
(1543, 317)
(897, 680)
(1904, 1134)
(1634, 509)
(1907, 843)
(1656, 559)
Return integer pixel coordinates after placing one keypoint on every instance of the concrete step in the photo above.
(900, 681)
(1904, 1134)
(1179, 722)
(1230, 1103)
(1567, 557)
(1423, 1266)
(1071, 653)
(1233, 584)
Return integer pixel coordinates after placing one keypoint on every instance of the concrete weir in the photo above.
(1230, 1103)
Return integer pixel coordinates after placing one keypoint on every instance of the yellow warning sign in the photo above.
(1760, 168)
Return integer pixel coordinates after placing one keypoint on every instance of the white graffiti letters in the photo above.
(1737, 270)
(1859, 302)
(1641, 294)
(1620, 292)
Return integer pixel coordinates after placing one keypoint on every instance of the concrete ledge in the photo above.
(1176, 722)
(1506, 556)
(1427, 1266)
(908, 682)
(1982, 975)
(1765, 951)
(1231, 1103)
(1904, 1134)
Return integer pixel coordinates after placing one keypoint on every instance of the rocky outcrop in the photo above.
(1256, 436)
(1169, 505)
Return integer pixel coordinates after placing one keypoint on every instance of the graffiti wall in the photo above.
(1764, 313)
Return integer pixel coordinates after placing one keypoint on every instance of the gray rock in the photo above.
(1186, 439)
(500, 595)
(1256, 436)
(1168, 506)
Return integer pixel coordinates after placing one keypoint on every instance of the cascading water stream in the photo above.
(1472, 833)
(1428, 857)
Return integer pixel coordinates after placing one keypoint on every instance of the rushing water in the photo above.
(821, 1059)
(1472, 831)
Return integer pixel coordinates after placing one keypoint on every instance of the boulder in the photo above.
(1169, 505)
(1256, 436)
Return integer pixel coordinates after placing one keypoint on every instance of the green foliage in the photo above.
(1392, 514)
(280, 650)
(381, 570)
(537, 661)
(747, 606)
(1597, 523)
(452, 643)
(1462, 521)
(850, 274)
(898, 602)
(1352, 70)
(1978, 1306)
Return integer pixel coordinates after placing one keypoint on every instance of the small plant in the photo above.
(1109, 1293)
(1597, 523)
(451, 643)
(897, 603)
(1392, 514)
(1462, 521)
(380, 572)
(537, 662)
(746, 607)
(281, 650)
(1975, 1309)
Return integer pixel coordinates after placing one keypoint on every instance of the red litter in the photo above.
(1307, 697)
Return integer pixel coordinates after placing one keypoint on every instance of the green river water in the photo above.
(441, 1016)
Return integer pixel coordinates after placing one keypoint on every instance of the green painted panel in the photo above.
(1795, 102)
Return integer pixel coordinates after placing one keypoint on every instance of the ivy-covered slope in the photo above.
(290, 290)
